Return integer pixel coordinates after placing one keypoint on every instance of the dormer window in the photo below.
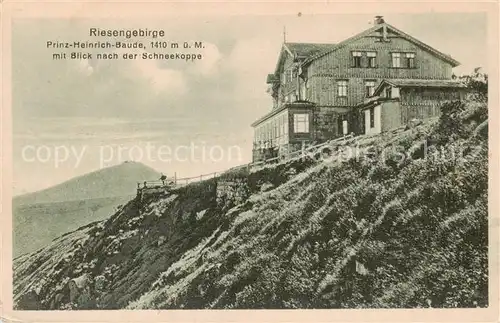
(356, 59)
(388, 92)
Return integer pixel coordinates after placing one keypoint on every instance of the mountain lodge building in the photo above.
(377, 80)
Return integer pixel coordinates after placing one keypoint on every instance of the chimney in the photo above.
(378, 20)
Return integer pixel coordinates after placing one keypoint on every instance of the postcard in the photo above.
(271, 161)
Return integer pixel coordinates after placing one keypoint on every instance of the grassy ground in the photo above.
(400, 223)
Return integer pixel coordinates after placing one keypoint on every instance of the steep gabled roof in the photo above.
(300, 51)
(304, 50)
(422, 83)
(392, 29)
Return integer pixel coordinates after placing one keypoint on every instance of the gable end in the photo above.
(388, 29)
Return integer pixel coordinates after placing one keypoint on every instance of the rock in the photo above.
(414, 122)
(266, 187)
(200, 214)
(57, 301)
(482, 129)
(77, 285)
(161, 240)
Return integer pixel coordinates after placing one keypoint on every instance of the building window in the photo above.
(388, 92)
(285, 124)
(289, 75)
(342, 88)
(301, 122)
(369, 87)
(372, 58)
(372, 117)
(410, 60)
(356, 59)
(282, 126)
(396, 59)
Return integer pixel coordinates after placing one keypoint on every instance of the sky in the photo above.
(71, 117)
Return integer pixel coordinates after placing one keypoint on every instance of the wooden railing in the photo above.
(174, 182)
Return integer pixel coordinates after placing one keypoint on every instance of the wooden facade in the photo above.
(333, 79)
(397, 102)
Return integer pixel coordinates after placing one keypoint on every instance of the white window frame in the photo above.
(372, 56)
(342, 88)
(301, 123)
(396, 60)
(408, 57)
(356, 54)
(371, 85)
(388, 92)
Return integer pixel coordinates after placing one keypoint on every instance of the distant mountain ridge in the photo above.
(41, 216)
(118, 180)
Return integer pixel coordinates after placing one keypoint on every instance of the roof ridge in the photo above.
(294, 42)
(410, 38)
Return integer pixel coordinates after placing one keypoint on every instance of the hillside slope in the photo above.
(36, 225)
(376, 230)
(42, 216)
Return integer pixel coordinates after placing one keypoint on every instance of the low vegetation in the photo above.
(401, 223)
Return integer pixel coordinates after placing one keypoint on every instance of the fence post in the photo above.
(175, 178)
(201, 177)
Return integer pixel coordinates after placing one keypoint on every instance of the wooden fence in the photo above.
(174, 182)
